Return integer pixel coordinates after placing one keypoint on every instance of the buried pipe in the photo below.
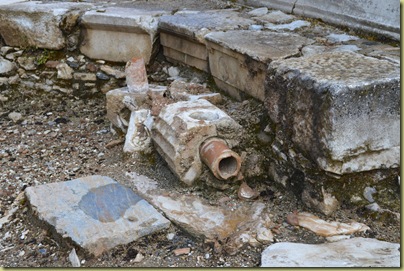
(222, 161)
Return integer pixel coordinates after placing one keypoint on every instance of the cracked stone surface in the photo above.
(96, 212)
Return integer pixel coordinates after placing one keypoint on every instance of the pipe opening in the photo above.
(228, 167)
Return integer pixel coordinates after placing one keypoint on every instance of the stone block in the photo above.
(35, 24)
(181, 128)
(238, 60)
(182, 34)
(120, 103)
(119, 34)
(340, 109)
(355, 252)
(95, 212)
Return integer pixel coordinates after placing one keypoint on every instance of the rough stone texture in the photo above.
(182, 127)
(324, 228)
(249, 224)
(182, 34)
(338, 110)
(379, 17)
(35, 24)
(6, 67)
(96, 212)
(119, 34)
(238, 59)
(137, 138)
(117, 101)
(355, 252)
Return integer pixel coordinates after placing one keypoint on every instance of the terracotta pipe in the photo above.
(222, 161)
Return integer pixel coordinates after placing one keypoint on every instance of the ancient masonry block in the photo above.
(182, 34)
(36, 24)
(183, 127)
(119, 34)
(238, 60)
(120, 103)
(340, 109)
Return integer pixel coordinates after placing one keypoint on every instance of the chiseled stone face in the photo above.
(119, 34)
(96, 212)
(339, 109)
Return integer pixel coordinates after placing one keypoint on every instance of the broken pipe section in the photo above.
(222, 161)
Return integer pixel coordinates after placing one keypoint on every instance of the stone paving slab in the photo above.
(340, 108)
(96, 212)
(238, 59)
(355, 252)
(132, 32)
(35, 24)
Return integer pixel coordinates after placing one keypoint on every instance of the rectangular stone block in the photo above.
(238, 59)
(95, 212)
(340, 109)
(181, 50)
(35, 24)
(182, 34)
(119, 34)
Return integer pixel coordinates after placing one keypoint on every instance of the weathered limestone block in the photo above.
(36, 24)
(119, 34)
(182, 127)
(340, 109)
(95, 212)
(119, 100)
(238, 59)
(182, 34)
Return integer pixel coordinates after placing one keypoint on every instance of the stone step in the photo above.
(182, 34)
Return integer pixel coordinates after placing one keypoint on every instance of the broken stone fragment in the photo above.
(64, 71)
(355, 252)
(95, 212)
(233, 229)
(136, 76)
(247, 193)
(138, 136)
(323, 228)
(183, 91)
(7, 67)
(120, 102)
